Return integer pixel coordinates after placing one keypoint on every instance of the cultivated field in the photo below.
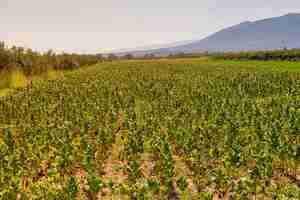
(157, 129)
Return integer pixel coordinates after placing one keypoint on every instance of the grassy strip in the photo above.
(266, 65)
(15, 78)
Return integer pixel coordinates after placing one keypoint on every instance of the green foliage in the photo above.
(230, 127)
(206, 196)
(95, 184)
(72, 188)
(182, 183)
(34, 63)
(283, 55)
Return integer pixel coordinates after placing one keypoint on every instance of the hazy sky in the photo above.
(97, 25)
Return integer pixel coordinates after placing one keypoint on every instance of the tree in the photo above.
(128, 56)
(112, 57)
(149, 56)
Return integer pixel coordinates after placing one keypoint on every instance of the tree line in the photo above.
(282, 55)
(34, 63)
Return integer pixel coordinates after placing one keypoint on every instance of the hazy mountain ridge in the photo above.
(267, 34)
(154, 46)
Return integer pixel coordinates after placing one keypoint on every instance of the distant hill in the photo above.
(155, 46)
(151, 49)
(268, 34)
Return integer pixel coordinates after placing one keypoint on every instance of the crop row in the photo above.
(162, 129)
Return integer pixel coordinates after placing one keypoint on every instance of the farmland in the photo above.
(162, 129)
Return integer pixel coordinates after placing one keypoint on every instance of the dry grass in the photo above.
(10, 80)
(4, 92)
(52, 74)
(13, 79)
(17, 80)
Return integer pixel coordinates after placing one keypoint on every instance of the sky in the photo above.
(96, 26)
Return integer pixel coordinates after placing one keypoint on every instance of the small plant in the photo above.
(181, 127)
(182, 183)
(206, 196)
(95, 185)
(72, 188)
(8, 139)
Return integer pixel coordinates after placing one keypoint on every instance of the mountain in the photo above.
(155, 46)
(267, 34)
